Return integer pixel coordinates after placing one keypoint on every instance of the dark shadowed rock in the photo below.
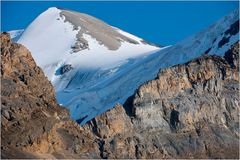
(232, 57)
(66, 68)
(223, 41)
(234, 29)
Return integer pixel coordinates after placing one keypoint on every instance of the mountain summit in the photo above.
(68, 32)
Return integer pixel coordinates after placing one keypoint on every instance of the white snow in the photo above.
(101, 78)
(129, 35)
(49, 38)
(15, 34)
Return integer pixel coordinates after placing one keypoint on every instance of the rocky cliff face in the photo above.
(195, 105)
(205, 89)
(28, 105)
(33, 125)
(188, 111)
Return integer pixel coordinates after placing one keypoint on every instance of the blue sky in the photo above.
(159, 22)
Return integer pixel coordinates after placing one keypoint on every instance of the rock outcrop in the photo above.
(205, 93)
(33, 125)
(189, 111)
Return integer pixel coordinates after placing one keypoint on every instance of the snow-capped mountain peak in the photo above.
(80, 53)
(72, 35)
